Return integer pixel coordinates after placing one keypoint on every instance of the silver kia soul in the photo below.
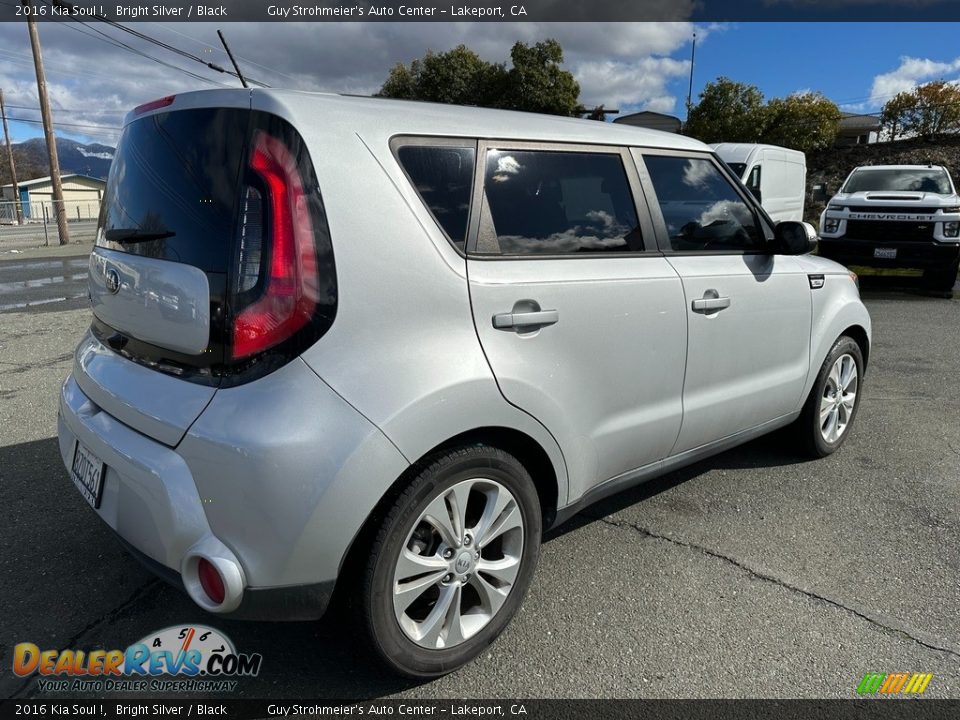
(382, 346)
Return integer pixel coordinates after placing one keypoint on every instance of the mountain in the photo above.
(30, 158)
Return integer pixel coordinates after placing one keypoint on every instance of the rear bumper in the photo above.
(910, 254)
(271, 483)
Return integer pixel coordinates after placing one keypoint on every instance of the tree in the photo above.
(928, 111)
(804, 121)
(457, 77)
(894, 111)
(728, 111)
(536, 81)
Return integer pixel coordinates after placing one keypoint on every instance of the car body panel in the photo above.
(745, 364)
(155, 404)
(606, 378)
(160, 302)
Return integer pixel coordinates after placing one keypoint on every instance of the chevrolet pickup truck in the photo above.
(896, 216)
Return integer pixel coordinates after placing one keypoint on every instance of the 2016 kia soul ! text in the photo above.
(384, 345)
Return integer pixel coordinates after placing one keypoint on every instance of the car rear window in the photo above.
(442, 176)
(173, 187)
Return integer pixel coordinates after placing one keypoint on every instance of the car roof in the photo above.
(388, 117)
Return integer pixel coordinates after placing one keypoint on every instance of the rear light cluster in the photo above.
(281, 245)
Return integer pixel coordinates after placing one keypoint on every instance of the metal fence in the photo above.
(36, 222)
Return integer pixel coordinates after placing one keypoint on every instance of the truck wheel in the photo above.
(452, 561)
(941, 279)
(832, 405)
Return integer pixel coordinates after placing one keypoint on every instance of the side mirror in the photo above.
(794, 238)
(820, 193)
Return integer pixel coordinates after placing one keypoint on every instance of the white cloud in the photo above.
(94, 83)
(911, 72)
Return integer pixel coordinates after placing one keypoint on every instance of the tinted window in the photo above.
(700, 207)
(556, 203)
(173, 180)
(932, 180)
(443, 177)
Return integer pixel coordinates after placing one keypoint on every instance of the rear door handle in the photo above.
(710, 303)
(538, 318)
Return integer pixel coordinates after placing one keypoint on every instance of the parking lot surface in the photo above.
(756, 573)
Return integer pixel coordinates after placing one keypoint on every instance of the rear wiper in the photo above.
(133, 235)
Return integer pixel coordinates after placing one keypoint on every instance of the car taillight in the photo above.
(154, 104)
(290, 285)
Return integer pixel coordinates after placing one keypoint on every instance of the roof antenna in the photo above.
(230, 55)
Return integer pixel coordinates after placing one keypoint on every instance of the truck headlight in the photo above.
(831, 225)
(951, 229)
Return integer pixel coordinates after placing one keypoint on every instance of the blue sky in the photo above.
(839, 59)
(628, 65)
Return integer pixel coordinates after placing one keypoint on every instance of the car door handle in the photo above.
(538, 318)
(710, 304)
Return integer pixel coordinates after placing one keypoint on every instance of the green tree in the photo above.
(894, 112)
(536, 81)
(928, 111)
(804, 121)
(728, 111)
(457, 77)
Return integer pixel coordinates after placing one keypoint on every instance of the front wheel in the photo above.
(834, 399)
(941, 279)
(452, 561)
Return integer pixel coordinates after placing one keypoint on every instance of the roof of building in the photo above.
(46, 179)
(854, 121)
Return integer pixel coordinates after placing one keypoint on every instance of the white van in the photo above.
(776, 176)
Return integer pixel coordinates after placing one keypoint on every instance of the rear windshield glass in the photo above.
(932, 180)
(173, 186)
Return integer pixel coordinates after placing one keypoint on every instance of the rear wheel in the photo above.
(452, 561)
(834, 399)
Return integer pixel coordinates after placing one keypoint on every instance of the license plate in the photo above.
(887, 253)
(87, 472)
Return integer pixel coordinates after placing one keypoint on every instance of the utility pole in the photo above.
(693, 55)
(13, 167)
(58, 207)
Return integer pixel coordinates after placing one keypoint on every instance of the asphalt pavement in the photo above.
(756, 573)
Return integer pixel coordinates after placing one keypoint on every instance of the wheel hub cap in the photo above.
(839, 398)
(459, 563)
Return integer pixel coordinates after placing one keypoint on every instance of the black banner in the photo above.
(879, 709)
(486, 10)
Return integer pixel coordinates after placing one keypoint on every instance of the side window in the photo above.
(702, 210)
(558, 203)
(753, 182)
(443, 177)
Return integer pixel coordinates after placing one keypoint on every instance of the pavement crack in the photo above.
(105, 617)
(879, 620)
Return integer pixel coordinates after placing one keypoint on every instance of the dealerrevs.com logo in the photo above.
(191, 658)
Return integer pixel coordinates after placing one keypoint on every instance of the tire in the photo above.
(941, 279)
(825, 422)
(497, 520)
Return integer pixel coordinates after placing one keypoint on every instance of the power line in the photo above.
(240, 57)
(87, 110)
(160, 43)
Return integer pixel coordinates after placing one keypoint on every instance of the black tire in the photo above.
(808, 425)
(941, 279)
(438, 474)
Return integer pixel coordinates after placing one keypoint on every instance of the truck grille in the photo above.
(881, 231)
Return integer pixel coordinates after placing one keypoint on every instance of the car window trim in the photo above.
(663, 235)
(467, 143)
(640, 203)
